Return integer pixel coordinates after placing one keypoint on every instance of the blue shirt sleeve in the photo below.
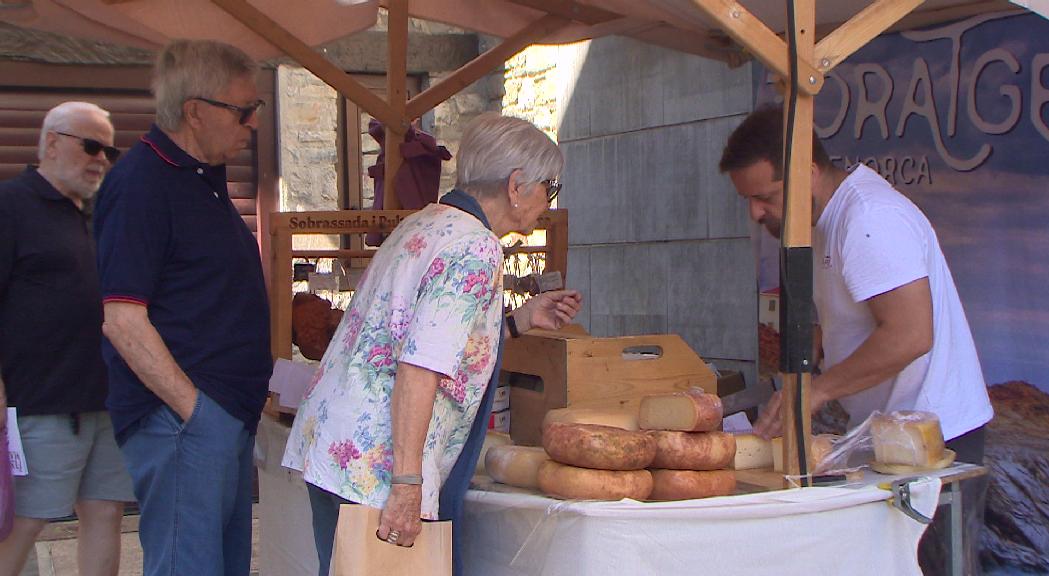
(133, 229)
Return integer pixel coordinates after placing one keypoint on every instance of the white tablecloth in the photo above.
(822, 531)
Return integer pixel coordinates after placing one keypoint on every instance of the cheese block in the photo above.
(515, 465)
(573, 483)
(822, 444)
(599, 447)
(689, 484)
(907, 437)
(693, 450)
(692, 411)
(752, 451)
(625, 419)
(491, 438)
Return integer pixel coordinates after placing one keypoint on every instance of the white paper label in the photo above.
(14, 445)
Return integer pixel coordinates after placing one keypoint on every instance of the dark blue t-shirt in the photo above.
(169, 238)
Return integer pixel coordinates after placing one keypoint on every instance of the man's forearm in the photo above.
(881, 357)
(411, 409)
(129, 330)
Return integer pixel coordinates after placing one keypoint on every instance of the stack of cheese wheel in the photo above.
(692, 457)
(595, 462)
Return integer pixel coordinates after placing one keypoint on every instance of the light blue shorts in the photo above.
(66, 467)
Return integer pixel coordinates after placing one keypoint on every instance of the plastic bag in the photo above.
(7, 488)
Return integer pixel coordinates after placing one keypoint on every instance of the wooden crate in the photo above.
(548, 370)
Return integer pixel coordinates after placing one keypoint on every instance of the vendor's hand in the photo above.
(549, 310)
(770, 423)
(402, 514)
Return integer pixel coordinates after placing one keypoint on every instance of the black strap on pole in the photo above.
(795, 271)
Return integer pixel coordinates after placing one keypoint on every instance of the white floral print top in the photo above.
(431, 297)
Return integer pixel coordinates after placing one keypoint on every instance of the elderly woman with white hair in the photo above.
(402, 383)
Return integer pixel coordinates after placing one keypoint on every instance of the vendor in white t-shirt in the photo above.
(895, 336)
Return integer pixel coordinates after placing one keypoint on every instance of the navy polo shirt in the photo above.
(169, 238)
(50, 306)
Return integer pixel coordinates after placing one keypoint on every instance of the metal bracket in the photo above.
(901, 500)
(795, 311)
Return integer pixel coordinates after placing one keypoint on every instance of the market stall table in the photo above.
(851, 529)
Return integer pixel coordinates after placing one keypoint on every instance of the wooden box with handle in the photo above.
(548, 369)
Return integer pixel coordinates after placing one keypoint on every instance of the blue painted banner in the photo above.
(957, 118)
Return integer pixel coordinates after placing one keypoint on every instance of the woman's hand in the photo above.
(400, 523)
(549, 310)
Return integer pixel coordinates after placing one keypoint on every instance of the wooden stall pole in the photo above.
(282, 274)
(396, 96)
(796, 259)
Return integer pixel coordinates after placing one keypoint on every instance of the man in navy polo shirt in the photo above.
(186, 316)
(50, 344)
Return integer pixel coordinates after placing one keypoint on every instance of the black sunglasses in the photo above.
(93, 147)
(553, 188)
(246, 112)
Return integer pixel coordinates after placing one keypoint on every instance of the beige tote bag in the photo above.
(357, 552)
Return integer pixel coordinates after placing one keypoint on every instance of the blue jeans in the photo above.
(193, 483)
(325, 508)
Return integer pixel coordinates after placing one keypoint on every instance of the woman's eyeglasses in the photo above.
(93, 147)
(553, 188)
(246, 112)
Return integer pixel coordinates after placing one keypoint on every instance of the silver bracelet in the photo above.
(412, 479)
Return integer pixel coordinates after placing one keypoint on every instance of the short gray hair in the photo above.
(494, 145)
(60, 119)
(188, 69)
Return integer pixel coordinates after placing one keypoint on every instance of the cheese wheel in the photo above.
(625, 419)
(491, 438)
(690, 484)
(683, 411)
(515, 465)
(822, 445)
(907, 437)
(693, 450)
(752, 451)
(573, 483)
(599, 447)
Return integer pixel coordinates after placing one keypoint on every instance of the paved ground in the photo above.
(56, 550)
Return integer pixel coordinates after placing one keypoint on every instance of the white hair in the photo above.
(60, 119)
(188, 69)
(493, 146)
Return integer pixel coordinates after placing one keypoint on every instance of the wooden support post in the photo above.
(748, 31)
(859, 30)
(483, 64)
(797, 233)
(264, 26)
(396, 96)
(282, 275)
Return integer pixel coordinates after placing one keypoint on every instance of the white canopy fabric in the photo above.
(678, 24)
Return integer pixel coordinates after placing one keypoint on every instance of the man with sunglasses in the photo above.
(186, 315)
(50, 344)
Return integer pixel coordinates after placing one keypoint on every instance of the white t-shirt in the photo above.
(869, 240)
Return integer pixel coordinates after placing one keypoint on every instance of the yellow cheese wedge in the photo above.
(627, 420)
(907, 437)
(491, 438)
(752, 451)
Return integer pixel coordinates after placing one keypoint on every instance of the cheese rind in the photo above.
(907, 437)
(690, 484)
(693, 450)
(491, 438)
(625, 419)
(515, 465)
(822, 445)
(599, 447)
(752, 451)
(691, 411)
(574, 483)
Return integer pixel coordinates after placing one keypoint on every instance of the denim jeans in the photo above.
(193, 483)
(325, 508)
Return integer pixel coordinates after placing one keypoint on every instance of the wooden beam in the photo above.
(756, 37)
(797, 233)
(396, 96)
(571, 10)
(483, 64)
(873, 20)
(265, 27)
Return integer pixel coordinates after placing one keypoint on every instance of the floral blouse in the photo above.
(432, 297)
